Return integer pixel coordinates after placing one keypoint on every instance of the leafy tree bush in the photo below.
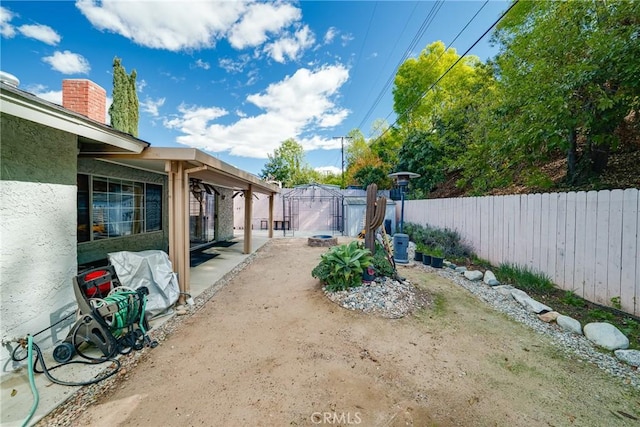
(342, 266)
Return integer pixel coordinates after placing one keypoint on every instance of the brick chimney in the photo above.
(85, 97)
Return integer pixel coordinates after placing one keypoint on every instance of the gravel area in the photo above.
(384, 297)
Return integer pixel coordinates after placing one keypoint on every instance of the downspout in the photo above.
(271, 197)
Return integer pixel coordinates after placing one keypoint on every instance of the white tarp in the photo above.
(151, 269)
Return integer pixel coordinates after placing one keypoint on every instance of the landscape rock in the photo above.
(606, 335)
(473, 275)
(504, 289)
(493, 282)
(569, 324)
(549, 316)
(461, 269)
(515, 292)
(529, 303)
(630, 357)
(488, 275)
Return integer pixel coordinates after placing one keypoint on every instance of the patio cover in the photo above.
(181, 164)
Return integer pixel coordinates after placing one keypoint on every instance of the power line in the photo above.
(448, 46)
(447, 70)
(366, 36)
(435, 8)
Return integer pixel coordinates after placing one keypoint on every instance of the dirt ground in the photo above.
(270, 349)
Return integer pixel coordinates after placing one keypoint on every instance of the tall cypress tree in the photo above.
(124, 109)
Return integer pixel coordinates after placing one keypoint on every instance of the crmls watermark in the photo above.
(336, 418)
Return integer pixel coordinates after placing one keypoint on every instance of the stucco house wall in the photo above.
(38, 228)
(89, 252)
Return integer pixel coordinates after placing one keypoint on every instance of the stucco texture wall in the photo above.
(38, 227)
(35, 153)
(91, 252)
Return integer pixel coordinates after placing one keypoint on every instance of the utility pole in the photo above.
(342, 138)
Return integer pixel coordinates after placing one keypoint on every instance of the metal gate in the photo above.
(312, 208)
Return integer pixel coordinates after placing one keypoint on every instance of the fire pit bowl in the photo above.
(322, 240)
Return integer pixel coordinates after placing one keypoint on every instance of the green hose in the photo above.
(32, 381)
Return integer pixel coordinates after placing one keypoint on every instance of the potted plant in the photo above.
(426, 255)
(419, 252)
(437, 257)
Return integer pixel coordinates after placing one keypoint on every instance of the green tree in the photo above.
(287, 165)
(421, 153)
(124, 108)
(569, 72)
(418, 95)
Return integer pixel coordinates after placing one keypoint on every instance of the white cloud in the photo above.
(237, 66)
(202, 64)
(260, 19)
(190, 25)
(346, 38)
(166, 24)
(241, 113)
(329, 170)
(292, 107)
(152, 106)
(42, 33)
(68, 63)
(194, 119)
(41, 91)
(6, 29)
(252, 77)
(291, 47)
(330, 35)
(141, 85)
(319, 143)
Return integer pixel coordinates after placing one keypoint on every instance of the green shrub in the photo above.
(523, 278)
(381, 263)
(449, 241)
(570, 298)
(342, 266)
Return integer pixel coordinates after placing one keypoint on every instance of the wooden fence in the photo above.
(586, 242)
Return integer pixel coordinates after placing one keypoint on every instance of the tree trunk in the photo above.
(599, 157)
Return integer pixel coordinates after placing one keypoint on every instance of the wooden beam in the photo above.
(248, 205)
(186, 253)
(179, 213)
(171, 169)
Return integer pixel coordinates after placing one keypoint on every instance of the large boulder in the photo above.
(606, 335)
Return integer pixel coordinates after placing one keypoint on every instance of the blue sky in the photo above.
(235, 79)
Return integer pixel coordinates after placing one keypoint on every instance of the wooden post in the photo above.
(248, 204)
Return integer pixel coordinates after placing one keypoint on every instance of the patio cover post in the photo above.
(248, 204)
(179, 224)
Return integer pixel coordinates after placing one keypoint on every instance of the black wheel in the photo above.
(63, 352)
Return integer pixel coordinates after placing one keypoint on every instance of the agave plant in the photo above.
(342, 266)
